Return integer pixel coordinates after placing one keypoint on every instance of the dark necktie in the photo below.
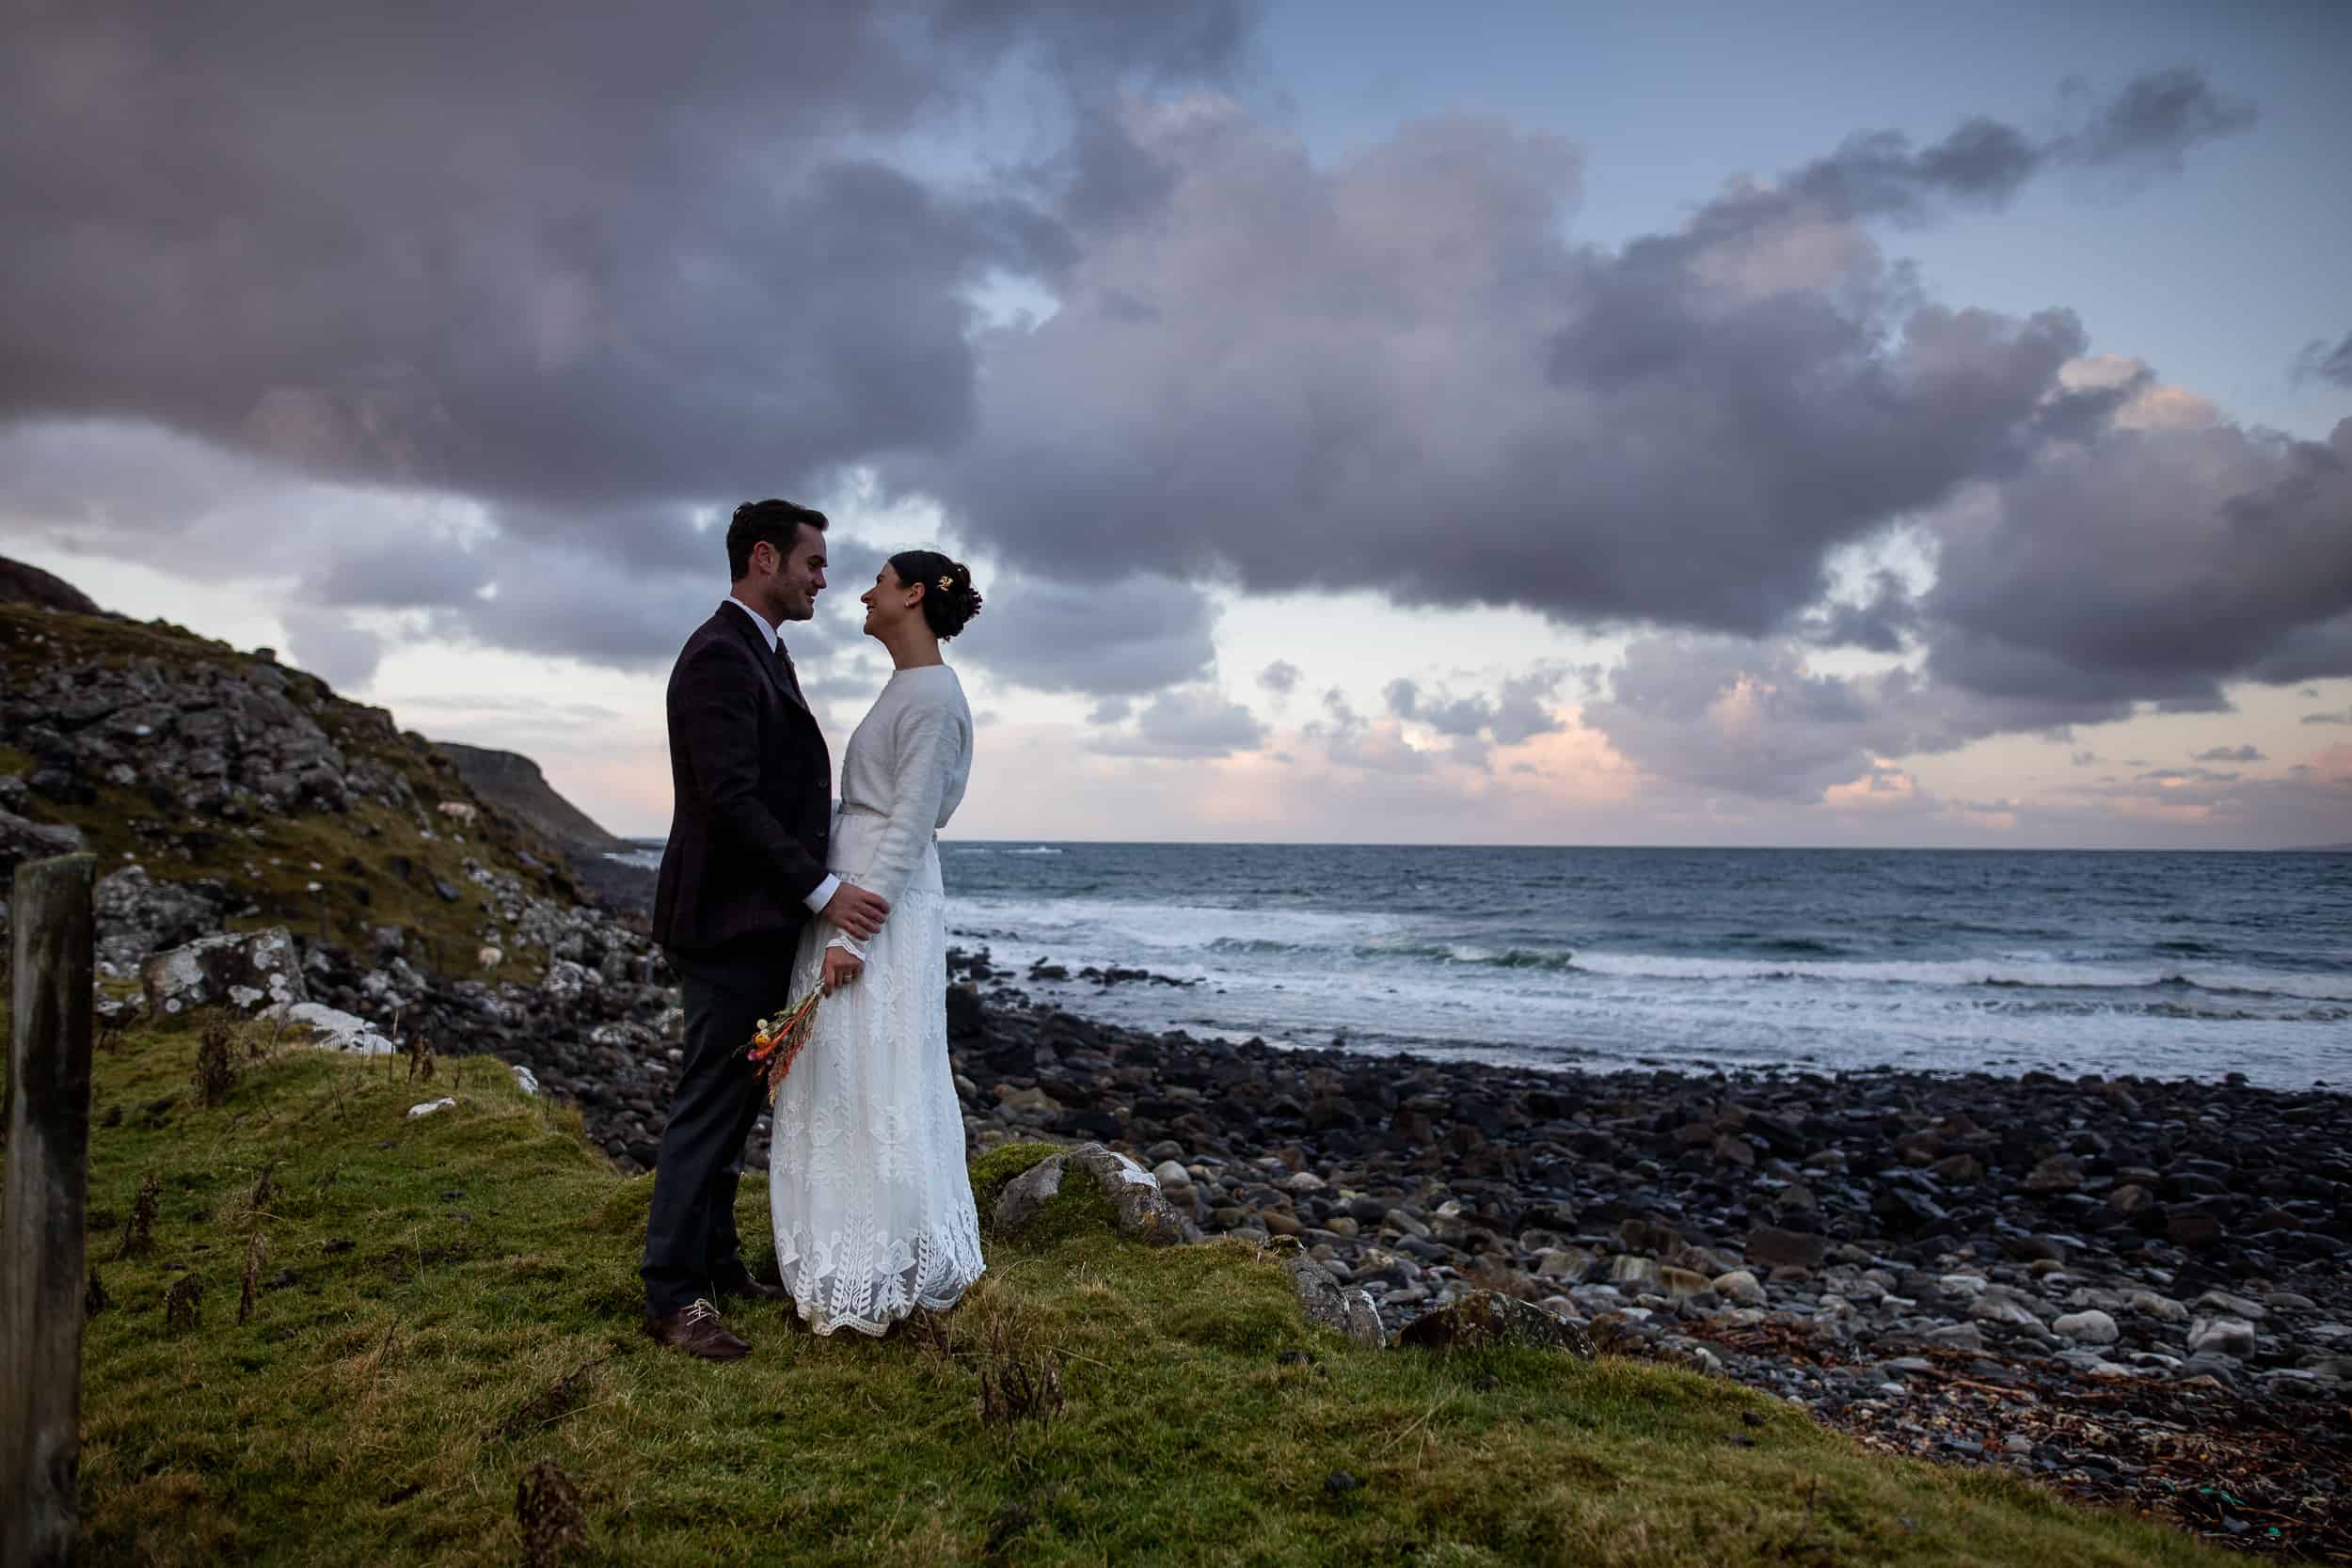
(791, 680)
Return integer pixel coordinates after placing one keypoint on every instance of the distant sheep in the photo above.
(458, 811)
(490, 958)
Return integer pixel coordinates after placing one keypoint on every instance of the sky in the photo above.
(1838, 424)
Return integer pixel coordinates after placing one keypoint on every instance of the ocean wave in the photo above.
(1035, 849)
(2019, 974)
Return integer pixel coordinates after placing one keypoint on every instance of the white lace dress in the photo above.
(866, 1177)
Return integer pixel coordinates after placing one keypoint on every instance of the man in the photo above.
(744, 870)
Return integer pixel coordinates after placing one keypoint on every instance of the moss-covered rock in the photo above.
(994, 1169)
(1484, 1320)
(1088, 1187)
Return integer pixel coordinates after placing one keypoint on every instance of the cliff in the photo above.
(513, 781)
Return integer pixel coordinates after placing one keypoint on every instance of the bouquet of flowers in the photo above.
(777, 1040)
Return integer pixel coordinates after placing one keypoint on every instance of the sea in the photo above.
(2168, 965)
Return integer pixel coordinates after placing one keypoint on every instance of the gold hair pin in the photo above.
(946, 582)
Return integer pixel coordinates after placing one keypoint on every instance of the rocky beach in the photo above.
(2136, 1289)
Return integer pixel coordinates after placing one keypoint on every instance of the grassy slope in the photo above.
(366, 1414)
(121, 822)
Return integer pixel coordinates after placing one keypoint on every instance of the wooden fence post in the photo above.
(40, 1228)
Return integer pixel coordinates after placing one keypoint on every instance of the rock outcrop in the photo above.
(1137, 1209)
(514, 783)
(24, 584)
(244, 971)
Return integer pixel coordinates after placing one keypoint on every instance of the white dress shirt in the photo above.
(821, 895)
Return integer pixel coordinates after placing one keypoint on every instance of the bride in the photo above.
(866, 1177)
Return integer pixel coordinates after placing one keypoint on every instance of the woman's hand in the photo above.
(841, 967)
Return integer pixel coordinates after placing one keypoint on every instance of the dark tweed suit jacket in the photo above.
(754, 794)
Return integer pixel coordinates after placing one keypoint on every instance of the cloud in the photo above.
(1280, 678)
(2319, 362)
(581, 283)
(637, 258)
(1882, 624)
(2343, 718)
(1517, 712)
(2230, 753)
(1120, 638)
(1754, 717)
(1185, 722)
(330, 646)
(1286, 372)
(2148, 564)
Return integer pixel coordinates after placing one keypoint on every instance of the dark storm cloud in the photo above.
(1393, 373)
(1881, 623)
(1111, 640)
(628, 255)
(580, 276)
(2150, 123)
(1753, 718)
(2318, 362)
(2151, 564)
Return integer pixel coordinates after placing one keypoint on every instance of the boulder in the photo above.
(2060, 1173)
(2221, 1335)
(1998, 1305)
(966, 1020)
(1629, 1272)
(22, 841)
(2093, 1327)
(336, 1030)
(137, 917)
(1139, 1208)
(1487, 1317)
(238, 969)
(1740, 1288)
(1773, 1248)
(1324, 1302)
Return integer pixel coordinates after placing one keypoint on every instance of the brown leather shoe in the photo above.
(746, 1284)
(695, 1329)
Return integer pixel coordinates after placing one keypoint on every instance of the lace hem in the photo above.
(831, 1293)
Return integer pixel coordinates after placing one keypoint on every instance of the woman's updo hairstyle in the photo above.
(949, 600)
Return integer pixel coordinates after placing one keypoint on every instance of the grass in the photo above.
(462, 1316)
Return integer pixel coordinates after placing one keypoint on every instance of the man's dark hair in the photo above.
(769, 522)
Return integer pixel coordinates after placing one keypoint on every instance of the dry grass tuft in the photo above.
(215, 1062)
(138, 1232)
(1020, 1381)
(264, 1188)
(256, 1259)
(553, 1402)
(547, 1505)
(184, 1304)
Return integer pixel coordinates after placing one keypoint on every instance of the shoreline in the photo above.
(2123, 1286)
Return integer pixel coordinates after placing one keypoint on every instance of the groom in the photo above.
(744, 870)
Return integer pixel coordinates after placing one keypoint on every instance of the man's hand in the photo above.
(841, 967)
(857, 912)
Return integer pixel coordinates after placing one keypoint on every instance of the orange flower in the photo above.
(777, 1041)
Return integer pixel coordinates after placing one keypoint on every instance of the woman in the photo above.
(865, 1175)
